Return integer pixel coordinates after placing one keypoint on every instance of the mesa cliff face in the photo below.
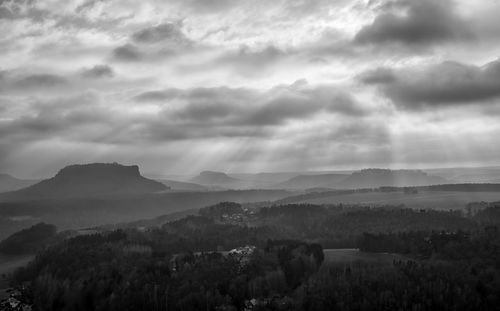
(93, 179)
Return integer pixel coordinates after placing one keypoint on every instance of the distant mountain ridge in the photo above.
(312, 181)
(374, 178)
(212, 178)
(366, 178)
(91, 179)
(10, 183)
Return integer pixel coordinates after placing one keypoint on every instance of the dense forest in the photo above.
(114, 272)
(233, 257)
(29, 240)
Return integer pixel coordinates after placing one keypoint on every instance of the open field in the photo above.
(348, 255)
(443, 200)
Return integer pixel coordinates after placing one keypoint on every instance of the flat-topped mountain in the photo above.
(214, 178)
(92, 179)
(374, 178)
(10, 183)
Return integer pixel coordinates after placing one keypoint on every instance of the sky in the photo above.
(182, 86)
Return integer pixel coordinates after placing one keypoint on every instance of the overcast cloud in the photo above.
(248, 85)
(444, 84)
(413, 23)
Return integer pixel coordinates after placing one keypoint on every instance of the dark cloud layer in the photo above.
(153, 96)
(59, 117)
(127, 53)
(425, 22)
(153, 43)
(445, 84)
(184, 114)
(98, 71)
(378, 76)
(254, 108)
(20, 9)
(32, 81)
(246, 58)
(168, 32)
(39, 12)
(209, 6)
(88, 4)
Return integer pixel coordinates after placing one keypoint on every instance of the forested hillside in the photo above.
(234, 258)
